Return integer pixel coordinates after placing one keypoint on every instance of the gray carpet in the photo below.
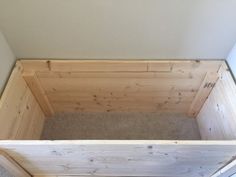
(117, 126)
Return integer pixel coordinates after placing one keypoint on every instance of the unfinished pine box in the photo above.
(39, 89)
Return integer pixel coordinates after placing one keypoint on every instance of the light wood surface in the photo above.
(39, 93)
(13, 168)
(227, 171)
(217, 118)
(203, 93)
(122, 158)
(122, 86)
(20, 114)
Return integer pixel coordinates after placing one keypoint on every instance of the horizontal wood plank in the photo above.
(122, 158)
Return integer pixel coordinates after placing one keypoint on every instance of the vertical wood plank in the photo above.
(20, 114)
(202, 94)
(11, 166)
(39, 93)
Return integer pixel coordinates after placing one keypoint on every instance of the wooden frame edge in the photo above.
(12, 166)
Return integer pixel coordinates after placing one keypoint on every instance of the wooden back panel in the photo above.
(20, 114)
(123, 85)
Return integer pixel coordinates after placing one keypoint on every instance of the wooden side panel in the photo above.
(121, 86)
(122, 158)
(20, 115)
(14, 169)
(217, 118)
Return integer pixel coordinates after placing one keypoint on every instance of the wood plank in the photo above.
(93, 98)
(121, 158)
(17, 110)
(160, 66)
(126, 107)
(39, 93)
(118, 84)
(117, 65)
(32, 65)
(226, 171)
(174, 94)
(11, 166)
(12, 104)
(217, 118)
(203, 93)
(84, 176)
(98, 65)
(32, 121)
(137, 75)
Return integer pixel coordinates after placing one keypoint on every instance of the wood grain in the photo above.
(20, 115)
(217, 118)
(12, 167)
(122, 158)
(39, 93)
(203, 93)
(121, 85)
(227, 171)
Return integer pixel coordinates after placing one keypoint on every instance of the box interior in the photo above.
(109, 100)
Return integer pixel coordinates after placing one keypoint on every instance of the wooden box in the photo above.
(39, 89)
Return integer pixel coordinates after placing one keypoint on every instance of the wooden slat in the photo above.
(160, 66)
(203, 93)
(227, 171)
(39, 93)
(73, 97)
(118, 84)
(122, 158)
(137, 75)
(174, 94)
(11, 166)
(217, 118)
(98, 66)
(35, 65)
(18, 108)
(118, 65)
(32, 121)
(125, 107)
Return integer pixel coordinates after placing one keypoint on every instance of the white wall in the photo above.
(232, 60)
(7, 60)
(119, 28)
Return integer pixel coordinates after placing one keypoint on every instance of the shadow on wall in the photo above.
(7, 59)
(232, 60)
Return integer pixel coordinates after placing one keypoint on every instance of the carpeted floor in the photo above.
(117, 126)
